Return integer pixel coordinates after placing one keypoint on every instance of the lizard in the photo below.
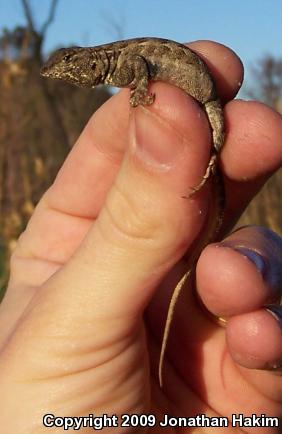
(134, 63)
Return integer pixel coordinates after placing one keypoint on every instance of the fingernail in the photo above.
(257, 259)
(271, 274)
(263, 247)
(267, 268)
(273, 366)
(152, 140)
(276, 312)
(254, 257)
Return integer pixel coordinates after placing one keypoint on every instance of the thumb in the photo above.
(83, 330)
(95, 302)
(145, 225)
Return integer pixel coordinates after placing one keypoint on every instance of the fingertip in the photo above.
(253, 140)
(254, 340)
(228, 282)
(225, 65)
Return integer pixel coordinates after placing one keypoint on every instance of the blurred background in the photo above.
(41, 119)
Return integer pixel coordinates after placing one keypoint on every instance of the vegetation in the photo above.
(266, 209)
(40, 120)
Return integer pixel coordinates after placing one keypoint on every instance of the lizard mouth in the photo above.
(44, 71)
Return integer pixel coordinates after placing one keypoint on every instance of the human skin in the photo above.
(105, 244)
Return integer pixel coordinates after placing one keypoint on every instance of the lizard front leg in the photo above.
(139, 87)
(136, 67)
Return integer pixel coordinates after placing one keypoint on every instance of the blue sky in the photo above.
(252, 28)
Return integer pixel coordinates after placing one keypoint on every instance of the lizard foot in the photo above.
(211, 169)
(141, 98)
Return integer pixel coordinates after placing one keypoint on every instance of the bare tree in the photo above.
(38, 121)
(37, 40)
(266, 86)
(31, 25)
(267, 76)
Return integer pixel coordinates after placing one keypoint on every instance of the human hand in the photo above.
(102, 242)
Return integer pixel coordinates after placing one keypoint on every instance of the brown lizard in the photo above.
(133, 63)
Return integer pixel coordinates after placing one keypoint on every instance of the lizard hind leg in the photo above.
(210, 171)
(214, 113)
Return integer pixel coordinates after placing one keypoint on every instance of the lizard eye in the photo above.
(67, 58)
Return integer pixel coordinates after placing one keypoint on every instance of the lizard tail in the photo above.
(168, 322)
(211, 235)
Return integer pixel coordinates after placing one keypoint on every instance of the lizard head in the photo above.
(75, 65)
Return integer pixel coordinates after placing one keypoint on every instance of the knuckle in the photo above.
(124, 213)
